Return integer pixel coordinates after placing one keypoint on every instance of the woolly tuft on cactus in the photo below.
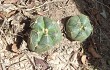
(44, 35)
(79, 28)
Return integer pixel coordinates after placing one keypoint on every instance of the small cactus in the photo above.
(78, 28)
(44, 35)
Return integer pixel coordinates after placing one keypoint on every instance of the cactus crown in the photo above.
(78, 28)
(44, 35)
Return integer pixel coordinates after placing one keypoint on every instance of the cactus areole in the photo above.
(78, 28)
(44, 35)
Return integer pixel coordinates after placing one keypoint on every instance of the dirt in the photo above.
(16, 17)
(100, 37)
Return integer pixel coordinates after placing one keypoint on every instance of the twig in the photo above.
(103, 4)
(48, 2)
(67, 2)
(7, 67)
(2, 30)
(34, 67)
(1, 68)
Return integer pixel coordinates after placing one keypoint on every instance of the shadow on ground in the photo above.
(98, 12)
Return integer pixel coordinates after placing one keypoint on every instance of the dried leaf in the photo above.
(11, 13)
(27, 14)
(10, 1)
(94, 11)
(30, 3)
(84, 59)
(94, 53)
(40, 64)
(81, 52)
(2, 15)
(40, 13)
(1, 68)
(103, 13)
(14, 48)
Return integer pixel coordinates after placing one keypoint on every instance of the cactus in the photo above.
(78, 27)
(44, 35)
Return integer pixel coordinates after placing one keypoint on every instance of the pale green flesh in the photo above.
(74, 30)
(38, 25)
(44, 41)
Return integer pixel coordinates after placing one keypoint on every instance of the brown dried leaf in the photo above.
(94, 11)
(41, 64)
(1, 68)
(40, 13)
(84, 59)
(30, 3)
(81, 52)
(10, 1)
(11, 13)
(94, 53)
(2, 15)
(27, 14)
(14, 48)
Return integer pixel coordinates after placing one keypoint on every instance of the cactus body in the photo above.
(78, 28)
(44, 35)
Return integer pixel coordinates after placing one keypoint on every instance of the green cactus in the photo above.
(44, 35)
(78, 28)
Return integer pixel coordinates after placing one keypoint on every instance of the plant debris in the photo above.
(84, 59)
(93, 52)
(16, 17)
(40, 64)
(15, 48)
